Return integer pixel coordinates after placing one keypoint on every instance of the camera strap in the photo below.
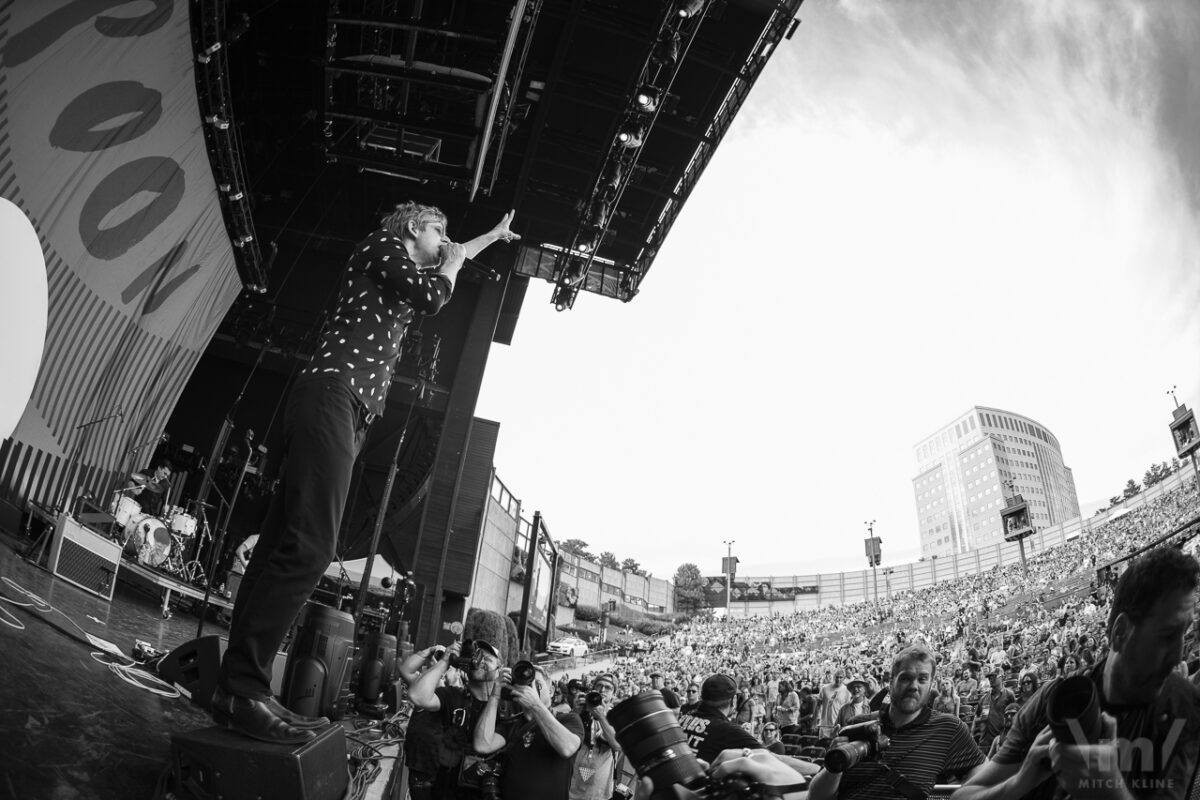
(902, 784)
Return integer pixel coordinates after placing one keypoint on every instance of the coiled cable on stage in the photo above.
(121, 665)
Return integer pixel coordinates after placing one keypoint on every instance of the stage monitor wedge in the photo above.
(217, 764)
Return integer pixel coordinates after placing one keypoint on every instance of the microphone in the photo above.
(482, 270)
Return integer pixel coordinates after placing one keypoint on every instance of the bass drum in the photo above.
(148, 539)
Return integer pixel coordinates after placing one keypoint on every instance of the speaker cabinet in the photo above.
(316, 681)
(195, 664)
(85, 558)
(378, 664)
(212, 763)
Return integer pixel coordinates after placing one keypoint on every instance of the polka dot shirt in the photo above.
(383, 292)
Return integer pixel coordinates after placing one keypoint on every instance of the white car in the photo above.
(568, 646)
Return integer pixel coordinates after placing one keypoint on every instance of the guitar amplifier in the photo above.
(85, 558)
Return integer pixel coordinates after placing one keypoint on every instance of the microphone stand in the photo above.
(86, 427)
(375, 534)
(214, 459)
(218, 545)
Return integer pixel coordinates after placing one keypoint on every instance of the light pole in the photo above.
(873, 556)
(728, 576)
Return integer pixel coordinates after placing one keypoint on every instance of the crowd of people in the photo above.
(952, 682)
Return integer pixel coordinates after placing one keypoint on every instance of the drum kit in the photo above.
(162, 542)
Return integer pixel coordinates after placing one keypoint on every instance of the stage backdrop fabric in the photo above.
(101, 147)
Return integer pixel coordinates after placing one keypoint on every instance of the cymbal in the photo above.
(158, 487)
(139, 478)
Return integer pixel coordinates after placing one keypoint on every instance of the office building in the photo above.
(963, 469)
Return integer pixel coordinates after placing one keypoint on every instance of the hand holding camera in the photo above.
(520, 685)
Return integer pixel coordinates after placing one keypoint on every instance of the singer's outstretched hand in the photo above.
(502, 231)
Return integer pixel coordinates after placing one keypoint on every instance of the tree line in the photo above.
(580, 548)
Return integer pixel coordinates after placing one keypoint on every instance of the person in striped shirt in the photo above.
(924, 744)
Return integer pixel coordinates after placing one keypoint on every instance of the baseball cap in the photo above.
(718, 688)
(485, 645)
(1012, 708)
(605, 678)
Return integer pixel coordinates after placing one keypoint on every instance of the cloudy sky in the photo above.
(922, 207)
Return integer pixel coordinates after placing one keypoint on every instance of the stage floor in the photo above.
(69, 726)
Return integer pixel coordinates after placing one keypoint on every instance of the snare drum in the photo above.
(183, 524)
(149, 539)
(125, 508)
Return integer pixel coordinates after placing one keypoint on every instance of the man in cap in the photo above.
(1010, 713)
(457, 709)
(592, 776)
(708, 728)
(858, 704)
(539, 746)
(991, 722)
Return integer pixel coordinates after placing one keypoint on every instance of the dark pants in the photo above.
(324, 428)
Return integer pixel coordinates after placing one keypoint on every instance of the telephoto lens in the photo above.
(523, 673)
(650, 735)
(594, 698)
(1073, 711)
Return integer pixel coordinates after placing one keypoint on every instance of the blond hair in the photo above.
(404, 213)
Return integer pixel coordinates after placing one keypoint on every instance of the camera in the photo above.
(594, 698)
(469, 658)
(866, 741)
(482, 775)
(523, 674)
(1073, 711)
(651, 738)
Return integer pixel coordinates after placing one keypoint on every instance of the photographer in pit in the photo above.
(452, 713)
(708, 728)
(902, 749)
(1139, 721)
(592, 777)
(540, 746)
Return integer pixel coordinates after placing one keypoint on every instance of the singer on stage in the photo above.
(408, 267)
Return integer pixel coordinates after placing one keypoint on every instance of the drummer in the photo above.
(151, 491)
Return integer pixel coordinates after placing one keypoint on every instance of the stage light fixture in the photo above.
(631, 135)
(666, 49)
(612, 180)
(690, 8)
(646, 99)
(574, 272)
(562, 298)
(588, 240)
(597, 213)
